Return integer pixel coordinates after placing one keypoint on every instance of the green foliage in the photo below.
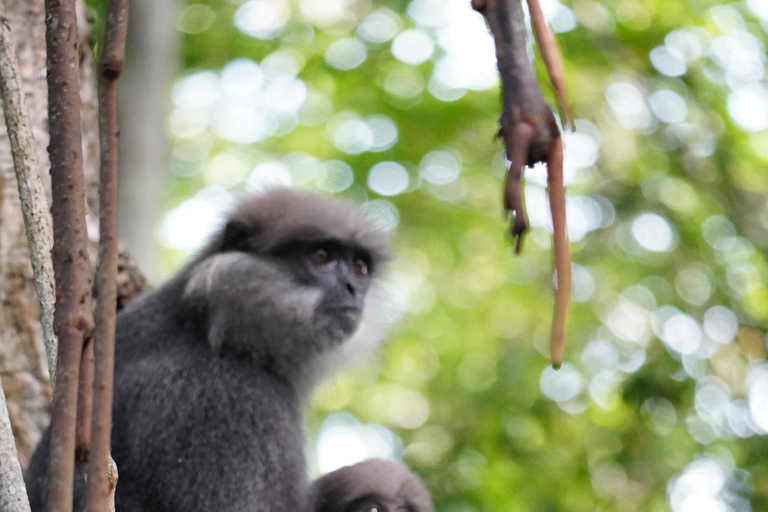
(668, 218)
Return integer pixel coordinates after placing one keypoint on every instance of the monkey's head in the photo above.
(371, 486)
(289, 276)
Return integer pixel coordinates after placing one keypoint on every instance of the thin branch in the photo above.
(551, 55)
(13, 493)
(84, 404)
(531, 135)
(73, 319)
(34, 203)
(556, 190)
(110, 66)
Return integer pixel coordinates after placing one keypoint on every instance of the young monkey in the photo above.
(374, 485)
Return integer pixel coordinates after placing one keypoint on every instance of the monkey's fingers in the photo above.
(518, 142)
(513, 200)
(556, 189)
(551, 56)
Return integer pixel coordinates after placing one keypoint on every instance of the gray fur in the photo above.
(212, 368)
(388, 486)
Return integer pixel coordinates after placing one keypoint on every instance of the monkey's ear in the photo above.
(236, 236)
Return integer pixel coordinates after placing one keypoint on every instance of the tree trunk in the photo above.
(22, 357)
(149, 68)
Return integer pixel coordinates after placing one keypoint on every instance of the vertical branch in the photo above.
(531, 135)
(34, 203)
(73, 319)
(100, 484)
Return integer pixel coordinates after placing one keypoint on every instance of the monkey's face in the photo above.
(340, 273)
(289, 276)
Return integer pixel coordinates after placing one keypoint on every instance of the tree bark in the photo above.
(13, 494)
(23, 365)
(34, 203)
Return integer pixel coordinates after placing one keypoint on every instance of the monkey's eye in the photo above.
(361, 267)
(320, 257)
(366, 505)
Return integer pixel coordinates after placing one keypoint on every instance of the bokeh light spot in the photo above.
(384, 132)
(413, 46)
(440, 167)
(653, 232)
(668, 106)
(748, 107)
(336, 176)
(563, 384)
(666, 62)
(346, 54)
(682, 334)
(353, 136)
(196, 18)
(263, 19)
(380, 26)
(721, 324)
(343, 440)
(388, 178)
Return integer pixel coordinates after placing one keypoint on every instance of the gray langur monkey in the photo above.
(374, 485)
(213, 367)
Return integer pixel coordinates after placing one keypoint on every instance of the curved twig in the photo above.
(551, 56)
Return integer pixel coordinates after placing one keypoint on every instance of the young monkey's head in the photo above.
(374, 485)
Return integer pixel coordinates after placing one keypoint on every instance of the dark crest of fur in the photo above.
(263, 222)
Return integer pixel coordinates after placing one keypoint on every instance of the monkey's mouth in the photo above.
(352, 314)
(347, 318)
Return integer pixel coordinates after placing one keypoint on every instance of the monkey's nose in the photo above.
(351, 289)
